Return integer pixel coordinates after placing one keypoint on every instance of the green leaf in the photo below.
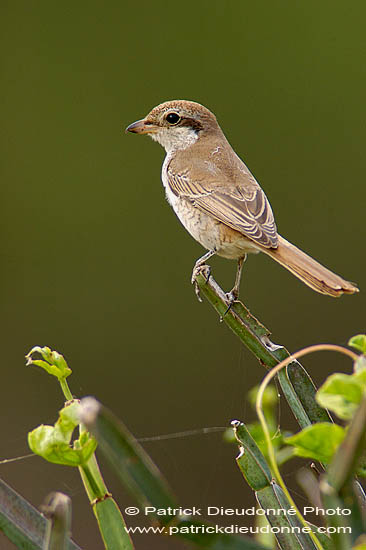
(360, 368)
(358, 342)
(345, 461)
(52, 362)
(112, 525)
(319, 441)
(53, 443)
(250, 460)
(341, 393)
(69, 416)
(271, 499)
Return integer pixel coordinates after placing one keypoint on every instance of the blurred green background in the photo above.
(94, 263)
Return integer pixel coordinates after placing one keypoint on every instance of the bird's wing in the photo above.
(243, 206)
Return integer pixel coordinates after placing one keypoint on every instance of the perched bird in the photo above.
(218, 200)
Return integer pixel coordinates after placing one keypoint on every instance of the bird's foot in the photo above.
(204, 270)
(232, 297)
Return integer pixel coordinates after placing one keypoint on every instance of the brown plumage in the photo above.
(217, 198)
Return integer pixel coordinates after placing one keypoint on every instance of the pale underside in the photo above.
(232, 220)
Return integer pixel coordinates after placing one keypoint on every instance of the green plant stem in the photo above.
(65, 389)
(93, 481)
(110, 520)
(259, 409)
(297, 386)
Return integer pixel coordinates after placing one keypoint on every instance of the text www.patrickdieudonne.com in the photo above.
(189, 525)
(230, 529)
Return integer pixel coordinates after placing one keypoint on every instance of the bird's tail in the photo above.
(309, 271)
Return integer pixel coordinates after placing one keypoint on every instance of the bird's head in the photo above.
(176, 124)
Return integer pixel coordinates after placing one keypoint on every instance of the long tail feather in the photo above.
(309, 271)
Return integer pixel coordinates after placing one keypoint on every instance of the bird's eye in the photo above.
(172, 118)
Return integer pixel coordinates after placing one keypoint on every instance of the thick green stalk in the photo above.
(296, 384)
(110, 520)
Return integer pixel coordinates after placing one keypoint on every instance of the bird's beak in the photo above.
(142, 126)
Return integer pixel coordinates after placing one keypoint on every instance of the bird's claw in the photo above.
(197, 291)
(232, 297)
(204, 270)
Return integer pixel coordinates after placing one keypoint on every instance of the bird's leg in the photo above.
(234, 293)
(198, 268)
